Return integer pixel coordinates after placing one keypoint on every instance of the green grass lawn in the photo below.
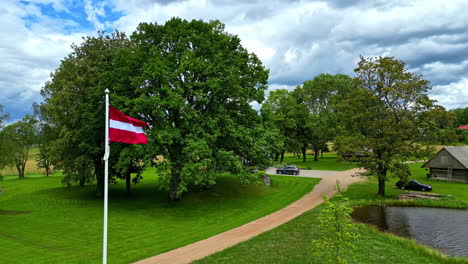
(365, 193)
(328, 162)
(65, 225)
(291, 242)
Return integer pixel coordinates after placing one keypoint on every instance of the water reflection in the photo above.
(444, 229)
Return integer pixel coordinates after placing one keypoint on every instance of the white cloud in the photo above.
(296, 40)
(29, 54)
(453, 95)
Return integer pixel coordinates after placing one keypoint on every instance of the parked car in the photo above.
(414, 185)
(288, 170)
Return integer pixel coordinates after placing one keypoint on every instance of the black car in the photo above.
(414, 185)
(288, 170)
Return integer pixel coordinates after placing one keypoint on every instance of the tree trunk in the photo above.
(304, 151)
(282, 156)
(174, 187)
(128, 183)
(316, 153)
(382, 174)
(99, 171)
(381, 187)
(276, 156)
(20, 170)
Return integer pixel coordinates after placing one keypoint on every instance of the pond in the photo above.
(440, 228)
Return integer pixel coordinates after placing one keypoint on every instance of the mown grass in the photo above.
(328, 162)
(365, 193)
(65, 225)
(291, 242)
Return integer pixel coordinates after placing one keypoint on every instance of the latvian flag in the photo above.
(125, 129)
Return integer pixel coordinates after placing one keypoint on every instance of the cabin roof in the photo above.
(460, 153)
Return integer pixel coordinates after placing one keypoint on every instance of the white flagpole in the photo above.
(106, 179)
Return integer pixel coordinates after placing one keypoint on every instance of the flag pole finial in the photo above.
(106, 91)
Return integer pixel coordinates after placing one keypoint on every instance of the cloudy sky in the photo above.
(295, 39)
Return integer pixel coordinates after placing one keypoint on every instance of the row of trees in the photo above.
(194, 84)
(16, 141)
(383, 115)
(307, 117)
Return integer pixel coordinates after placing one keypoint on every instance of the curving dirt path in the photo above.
(203, 248)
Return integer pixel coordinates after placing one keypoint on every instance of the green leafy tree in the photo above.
(18, 139)
(337, 233)
(130, 159)
(194, 83)
(4, 157)
(74, 105)
(390, 119)
(462, 116)
(45, 158)
(321, 96)
(278, 112)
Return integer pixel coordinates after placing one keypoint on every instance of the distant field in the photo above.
(31, 168)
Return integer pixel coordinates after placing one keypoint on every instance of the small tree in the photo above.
(4, 157)
(336, 231)
(18, 139)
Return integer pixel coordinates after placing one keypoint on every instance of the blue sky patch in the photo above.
(75, 12)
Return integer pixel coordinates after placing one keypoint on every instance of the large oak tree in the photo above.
(74, 107)
(194, 84)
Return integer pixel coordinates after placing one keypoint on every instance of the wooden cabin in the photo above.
(450, 164)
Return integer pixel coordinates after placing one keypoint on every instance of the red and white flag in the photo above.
(125, 129)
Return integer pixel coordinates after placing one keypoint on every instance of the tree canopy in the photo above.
(193, 83)
(74, 106)
(321, 96)
(190, 80)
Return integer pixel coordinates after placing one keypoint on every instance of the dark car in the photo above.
(414, 185)
(293, 170)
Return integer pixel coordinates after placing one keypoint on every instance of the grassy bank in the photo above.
(328, 162)
(365, 193)
(291, 242)
(44, 222)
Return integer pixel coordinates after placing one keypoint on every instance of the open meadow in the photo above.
(44, 222)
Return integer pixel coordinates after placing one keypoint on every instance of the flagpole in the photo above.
(106, 179)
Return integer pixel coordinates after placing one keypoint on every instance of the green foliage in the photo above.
(337, 233)
(283, 112)
(390, 118)
(193, 83)
(74, 107)
(462, 116)
(17, 139)
(4, 157)
(321, 96)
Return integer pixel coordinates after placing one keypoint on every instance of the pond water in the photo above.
(440, 228)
